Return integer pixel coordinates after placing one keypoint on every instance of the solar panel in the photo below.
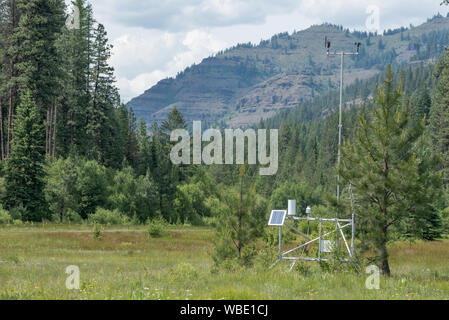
(277, 218)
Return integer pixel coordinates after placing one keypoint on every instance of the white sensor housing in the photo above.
(292, 207)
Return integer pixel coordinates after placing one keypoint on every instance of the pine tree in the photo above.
(241, 222)
(422, 105)
(13, 17)
(144, 145)
(104, 100)
(4, 63)
(392, 177)
(40, 22)
(439, 116)
(175, 120)
(75, 47)
(131, 143)
(24, 172)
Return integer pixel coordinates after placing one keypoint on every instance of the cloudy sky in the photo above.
(155, 39)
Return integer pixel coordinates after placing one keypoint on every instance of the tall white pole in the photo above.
(340, 123)
(340, 129)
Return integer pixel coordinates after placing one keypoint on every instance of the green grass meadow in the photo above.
(126, 264)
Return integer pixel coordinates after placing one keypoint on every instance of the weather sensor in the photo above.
(292, 207)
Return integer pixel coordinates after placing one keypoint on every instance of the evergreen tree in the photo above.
(4, 24)
(104, 99)
(129, 131)
(72, 46)
(24, 177)
(144, 145)
(439, 116)
(36, 34)
(390, 181)
(175, 120)
(422, 105)
(241, 221)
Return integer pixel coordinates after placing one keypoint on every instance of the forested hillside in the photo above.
(250, 82)
(58, 100)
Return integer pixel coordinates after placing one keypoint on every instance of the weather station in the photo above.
(329, 230)
(327, 241)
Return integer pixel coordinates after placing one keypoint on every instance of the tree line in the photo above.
(60, 112)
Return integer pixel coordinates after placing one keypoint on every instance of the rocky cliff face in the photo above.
(248, 83)
(204, 92)
(285, 90)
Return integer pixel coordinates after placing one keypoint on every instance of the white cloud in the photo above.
(162, 54)
(132, 87)
(182, 15)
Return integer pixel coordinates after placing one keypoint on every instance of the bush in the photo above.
(271, 237)
(336, 263)
(17, 213)
(156, 228)
(97, 232)
(303, 268)
(224, 251)
(72, 217)
(190, 204)
(5, 217)
(211, 221)
(69, 217)
(91, 187)
(107, 217)
(135, 197)
(304, 195)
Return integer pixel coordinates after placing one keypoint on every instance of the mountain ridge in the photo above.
(246, 83)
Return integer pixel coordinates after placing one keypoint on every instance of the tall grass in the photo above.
(127, 264)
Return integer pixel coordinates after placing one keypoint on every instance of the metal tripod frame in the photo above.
(340, 225)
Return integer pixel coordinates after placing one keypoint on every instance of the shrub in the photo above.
(337, 263)
(304, 194)
(107, 217)
(156, 228)
(17, 213)
(69, 217)
(60, 188)
(91, 187)
(5, 217)
(271, 236)
(135, 197)
(303, 268)
(190, 204)
(210, 221)
(72, 217)
(267, 256)
(224, 251)
(97, 232)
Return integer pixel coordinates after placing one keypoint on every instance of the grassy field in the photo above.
(127, 264)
